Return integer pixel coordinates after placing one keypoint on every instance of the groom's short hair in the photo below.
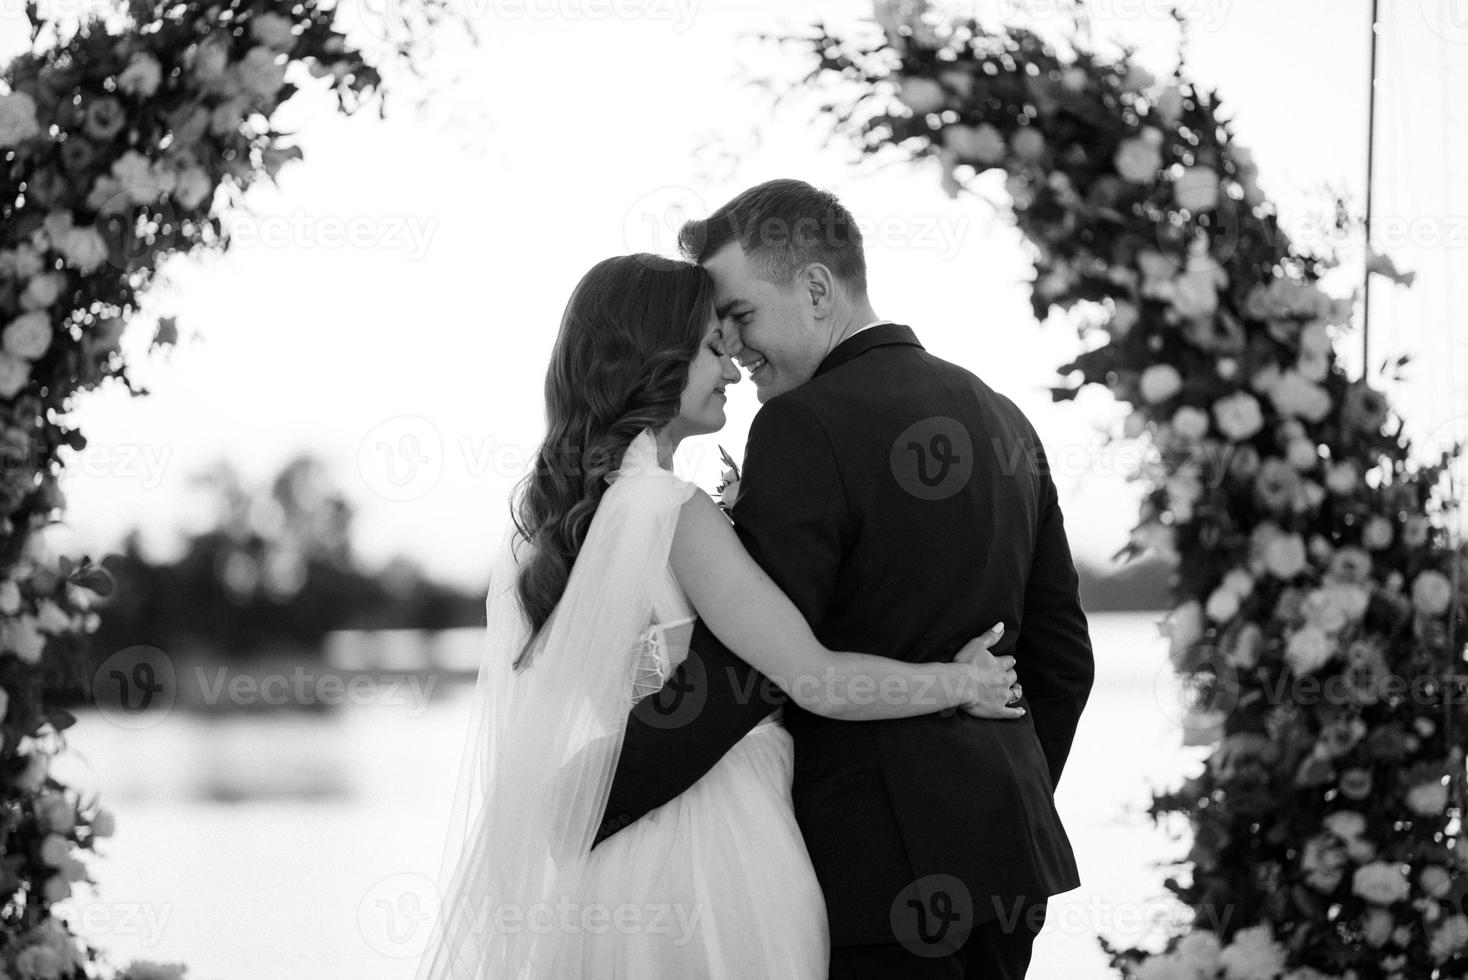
(782, 226)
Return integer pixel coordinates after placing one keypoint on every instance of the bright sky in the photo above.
(392, 306)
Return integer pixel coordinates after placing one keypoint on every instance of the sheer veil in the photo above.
(543, 742)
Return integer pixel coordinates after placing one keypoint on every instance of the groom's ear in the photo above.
(819, 287)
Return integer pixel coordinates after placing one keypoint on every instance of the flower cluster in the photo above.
(118, 140)
(1318, 588)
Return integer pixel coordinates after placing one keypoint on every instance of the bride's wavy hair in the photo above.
(620, 363)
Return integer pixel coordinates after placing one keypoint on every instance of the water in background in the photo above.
(300, 846)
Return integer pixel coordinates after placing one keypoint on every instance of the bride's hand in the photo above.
(992, 680)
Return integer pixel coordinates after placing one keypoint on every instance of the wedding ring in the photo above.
(1013, 696)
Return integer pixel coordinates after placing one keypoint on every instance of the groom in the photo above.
(904, 506)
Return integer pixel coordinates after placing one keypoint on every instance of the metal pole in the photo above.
(1370, 173)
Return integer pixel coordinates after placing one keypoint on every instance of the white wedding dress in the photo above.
(715, 884)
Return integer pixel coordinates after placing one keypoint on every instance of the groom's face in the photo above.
(769, 328)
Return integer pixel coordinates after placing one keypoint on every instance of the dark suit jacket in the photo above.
(904, 507)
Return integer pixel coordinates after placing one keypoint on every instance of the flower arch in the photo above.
(122, 140)
(1314, 568)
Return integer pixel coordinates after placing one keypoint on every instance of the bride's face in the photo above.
(711, 371)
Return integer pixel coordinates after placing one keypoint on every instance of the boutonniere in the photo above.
(728, 489)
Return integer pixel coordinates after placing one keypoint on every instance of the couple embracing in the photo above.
(817, 735)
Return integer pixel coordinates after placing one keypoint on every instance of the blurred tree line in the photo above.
(272, 571)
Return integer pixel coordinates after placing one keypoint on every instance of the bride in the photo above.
(609, 558)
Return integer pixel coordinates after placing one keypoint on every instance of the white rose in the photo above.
(1377, 924)
(1170, 105)
(1254, 954)
(259, 73)
(983, 143)
(1160, 382)
(103, 823)
(1380, 883)
(227, 116)
(56, 889)
(83, 248)
(209, 61)
(55, 812)
(15, 374)
(17, 119)
(1432, 593)
(1378, 533)
(1028, 144)
(1195, 294)
(55, 849)
(1123, 317)
(1313, 367)
(1353, 600)
(1315, 338)
(1190, 424)
(273, 31)
(1342, 478)
(1223, 605)
(193, 186)
(1449, 937)
(33, 775)
(1322, 609)
(42, 291)
(1284, 556)
(1238, 415)
(1138, 78)
(20, 636)
(1428, 799)
(141, 76)
(1139, 158)
(1074, 80)
(1348, 825)
(921, 95)
(51, 619)
(1436, 880)
(1309, 649)
(1183, 627)
(1197, 189)
(1302, 454)
(136, 175)
(28, 335)
(1414, 532)
(1244, 651)
(9, 597)
(1295, 395)
(1021, 194)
